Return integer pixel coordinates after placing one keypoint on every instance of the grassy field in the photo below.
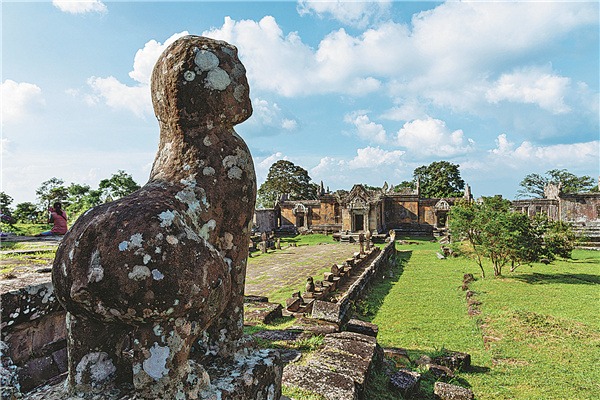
(537, 337)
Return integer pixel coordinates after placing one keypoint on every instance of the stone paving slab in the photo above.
(267, 273)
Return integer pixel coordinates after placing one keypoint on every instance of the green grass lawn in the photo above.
(538, 334)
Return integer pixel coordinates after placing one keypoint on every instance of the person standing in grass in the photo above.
(59, 218)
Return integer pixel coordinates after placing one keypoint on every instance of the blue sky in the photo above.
(354, 92)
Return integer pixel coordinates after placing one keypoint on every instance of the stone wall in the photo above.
(33, 327)
(580, 207)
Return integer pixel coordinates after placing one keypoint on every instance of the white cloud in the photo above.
(19, 99)
(431, 137)
(270, 115)
(533, 86)
(285, 65)
(367, 129)
(145, 58)
(357, 13)
(117, 95)
(551, 156)
(262, 165)
(372, 157)
(4, 146)
(371, 165)
(407, 110)
(136, 98)
(80, 6)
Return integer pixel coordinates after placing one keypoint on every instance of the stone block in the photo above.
(328, 277)
(400, 356)
(327, 311)
(255, 299)
(405, 382)
(254, 375)
(293, 304)
(331, 385)
(36, 372)
(314, 326)
(357, 344)
(261, 313)
(440, 372)
(278, 335)
(454, 360)
(365, 328)
(446, 391)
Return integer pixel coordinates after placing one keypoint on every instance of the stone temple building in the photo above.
(581, 210)
(379, 211)
(361, 210)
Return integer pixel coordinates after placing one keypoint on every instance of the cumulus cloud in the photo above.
(133, 98)
(19, 99)
(367, 129)
(80, 6)
(117, 95)
(533, 86)
(263, 164)
(431, 137)
(283, 64)
(554, 156)
(373, 157)
(365, 167)
(270, 115)
(407, 110)
(358, 13)
(145, 58)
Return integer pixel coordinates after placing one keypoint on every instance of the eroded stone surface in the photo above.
(446, 391)
(405, 382)
(144, 277)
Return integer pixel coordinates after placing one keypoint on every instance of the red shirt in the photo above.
(60, 222)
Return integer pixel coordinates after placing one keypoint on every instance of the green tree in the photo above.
(439, 179)
(51, 191)
(28, 212)
(504, 237)
(285, 177)
(5, 202)
(405, 185)
(534, 184)
(118, 185)
(81, 198)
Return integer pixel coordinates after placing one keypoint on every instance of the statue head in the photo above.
(200, 82)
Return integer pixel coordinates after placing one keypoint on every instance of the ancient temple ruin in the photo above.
(362, 210)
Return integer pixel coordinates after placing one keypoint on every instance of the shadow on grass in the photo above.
(367, 306)
(572, 279)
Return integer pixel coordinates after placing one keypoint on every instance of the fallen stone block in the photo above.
(400, 356)
(261, 313)
(249, 298)
(405, 382)
(440, 372)
(362, 327)
(331, 385)
(327, 311)
(454, 360)
(314, 326)
(446, 391)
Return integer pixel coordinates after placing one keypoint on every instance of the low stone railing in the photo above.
(331, 298)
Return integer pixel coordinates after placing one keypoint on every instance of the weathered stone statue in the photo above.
(147, 277)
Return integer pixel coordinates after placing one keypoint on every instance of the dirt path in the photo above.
(289, 267)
